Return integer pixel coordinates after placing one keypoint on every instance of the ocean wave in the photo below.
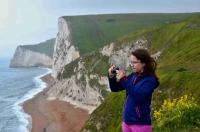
(24, 118)
(7, 99)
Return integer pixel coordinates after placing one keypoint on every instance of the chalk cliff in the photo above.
(64, 51)
(27, 58)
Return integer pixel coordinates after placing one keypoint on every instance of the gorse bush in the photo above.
(177, 114)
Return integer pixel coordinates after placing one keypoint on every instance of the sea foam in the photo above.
(24, 118)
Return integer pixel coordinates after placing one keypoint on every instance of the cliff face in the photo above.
(77, 82)
(27, 58)
(64, 51)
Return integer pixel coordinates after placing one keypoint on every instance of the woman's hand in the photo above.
(110, 71)
(120, 74)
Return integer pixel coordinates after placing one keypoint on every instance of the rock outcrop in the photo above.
(120, 57)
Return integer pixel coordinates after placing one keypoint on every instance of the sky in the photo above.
(25, 22)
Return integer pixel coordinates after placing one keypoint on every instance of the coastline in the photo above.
(54, 115)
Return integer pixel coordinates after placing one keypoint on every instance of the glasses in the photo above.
(134, 62)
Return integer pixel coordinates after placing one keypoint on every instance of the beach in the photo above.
(55, 115)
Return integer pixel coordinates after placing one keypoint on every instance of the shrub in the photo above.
(177, 114)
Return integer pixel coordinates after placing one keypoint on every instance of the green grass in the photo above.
(91, 32)
(178, 70)
(108, 115)
(182, 53)
(46, 47)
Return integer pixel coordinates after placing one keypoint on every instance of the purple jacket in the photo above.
(139, 89)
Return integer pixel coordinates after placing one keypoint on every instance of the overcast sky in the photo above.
(33, 21)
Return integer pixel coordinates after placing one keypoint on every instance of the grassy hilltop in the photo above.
(176, 102)
(90, 32)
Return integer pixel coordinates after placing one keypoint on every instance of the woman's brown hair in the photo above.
(144, 56)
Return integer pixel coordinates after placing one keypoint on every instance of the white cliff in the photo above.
(77, 89)
(27, 58)
(64, 51)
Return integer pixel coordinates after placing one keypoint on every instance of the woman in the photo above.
(139, 87)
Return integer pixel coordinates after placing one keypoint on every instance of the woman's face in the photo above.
(136, 64)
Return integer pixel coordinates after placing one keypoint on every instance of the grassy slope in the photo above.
(179, 65)
(94, 31)
(46, 47)
(178, 69)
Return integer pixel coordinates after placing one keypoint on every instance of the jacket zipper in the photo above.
(138, 112)
(137, 108)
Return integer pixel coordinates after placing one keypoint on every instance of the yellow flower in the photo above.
(171, 106)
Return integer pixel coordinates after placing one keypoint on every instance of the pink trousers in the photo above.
(136, 128)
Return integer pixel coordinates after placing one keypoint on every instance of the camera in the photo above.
(114, 70)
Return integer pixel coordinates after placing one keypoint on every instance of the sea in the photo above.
(16, 86)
